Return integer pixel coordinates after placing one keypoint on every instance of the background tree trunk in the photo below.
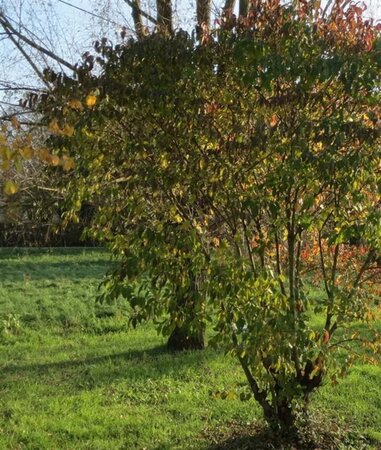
(243, 7)
(203, 12)
(164, 16)
(228, 7)
(137, 18)
(184, 339)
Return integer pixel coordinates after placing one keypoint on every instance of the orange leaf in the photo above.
(274, 120)
(15, 123)
(54, 160)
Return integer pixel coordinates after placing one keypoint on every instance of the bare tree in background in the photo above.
(54, 34)
(40, 36)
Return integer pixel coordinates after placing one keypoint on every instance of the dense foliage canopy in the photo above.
(233, 173)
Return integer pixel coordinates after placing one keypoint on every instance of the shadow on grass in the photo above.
(248, 442)
(321, 434)
(85, 373)
(17, 252)
(17, 270)
(238, 436)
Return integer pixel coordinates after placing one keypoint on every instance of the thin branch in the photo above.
(279, 265)
(9, 28)
(322, 266)
(332, 287)
(26, 56)
(131, 3)
(164, 16)
(251, 256)
(259, 395)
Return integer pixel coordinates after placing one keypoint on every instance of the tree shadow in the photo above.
(238, 436)
(320, 435)
(18, 271)
(19, 252)
(248, 442)
(72, 364)
(91, 372)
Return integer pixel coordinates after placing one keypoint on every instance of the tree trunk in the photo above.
(137, 18)
(243, 7)
(276, 407)
(184, 339)
(283, 420)
(164, 16)
(228, 7)
(203, 12)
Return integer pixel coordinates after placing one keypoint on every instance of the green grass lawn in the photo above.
(73, 376)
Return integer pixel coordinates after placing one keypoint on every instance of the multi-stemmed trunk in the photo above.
(278, 405)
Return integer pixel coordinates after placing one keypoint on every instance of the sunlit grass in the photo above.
(74, 376)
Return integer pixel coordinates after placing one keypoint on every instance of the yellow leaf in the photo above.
(178, 218)
(67, 163)
(5, 165)
(6, 153)
(54, 127)
(68, 130)
(91, 100)
(215, 242)
(10, 188)
(26, 152)
(231, 395)
(164, 162)
(75, 104)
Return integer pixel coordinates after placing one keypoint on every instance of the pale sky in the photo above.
(69, 32)
(66, 30)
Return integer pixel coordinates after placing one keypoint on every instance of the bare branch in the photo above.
(26, 56)
(11, 30)
(132, 4)
(164, 16)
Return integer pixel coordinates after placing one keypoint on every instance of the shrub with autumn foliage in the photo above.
(29, 207)
(247, 165)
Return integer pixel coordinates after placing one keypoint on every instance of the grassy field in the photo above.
(73, 376)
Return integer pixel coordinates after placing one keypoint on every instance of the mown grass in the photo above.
(73, 376)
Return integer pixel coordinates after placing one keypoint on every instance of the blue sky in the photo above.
(66, 30)
(69, 32)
